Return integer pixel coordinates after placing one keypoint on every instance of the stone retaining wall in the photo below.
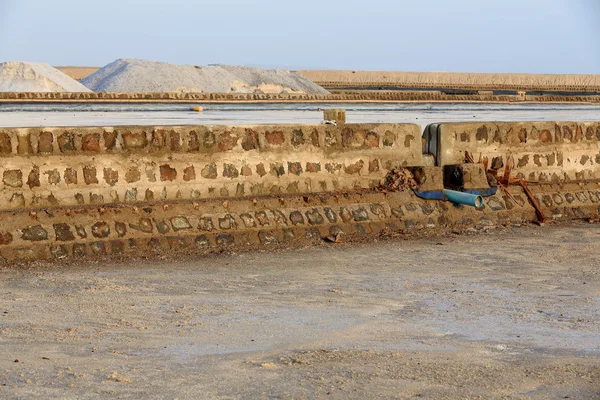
(90, 192)
(79, 166)
(542, 151)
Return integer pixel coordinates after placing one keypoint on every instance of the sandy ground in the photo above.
(422, 114)
(512, 313)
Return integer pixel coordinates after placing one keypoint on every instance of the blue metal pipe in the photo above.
(464, 198)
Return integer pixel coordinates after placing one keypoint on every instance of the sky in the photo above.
(530, 36)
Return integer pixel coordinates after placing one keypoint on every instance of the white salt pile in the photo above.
(135, 75)
(36, 77)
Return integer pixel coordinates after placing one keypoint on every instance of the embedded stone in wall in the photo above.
(133, 175)
(111, 176)
(209, 171)
(134, 140)
(275, 138)
(110, 140)
(100, 230)
(89, 175)
(63, 232)
(34, 233)
(53, 176)
(91, 142)
(45, 141)
(230, 171)
(167, 173)
(66, 142)
(13, 178)
(189, 174)
(5, 144)
(70, 176)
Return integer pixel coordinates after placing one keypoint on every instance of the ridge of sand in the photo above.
(36, 77)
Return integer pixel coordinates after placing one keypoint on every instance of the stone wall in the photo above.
(542, 151)
(137, 191)
(82, 166)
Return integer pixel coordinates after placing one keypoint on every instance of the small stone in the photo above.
(65, 142)
(100, 229)
(13, 177)
(314, 217)
(53, 176)
(33, 180)
(134, 140)
(34, 233)
(360, 214)
(133, 174)
(5, 143)
(79, 250)
(355, 168)
(144, 225)
(45, 142)
(63, 232)
(246, 170)
(209, 171)
(81, 231)
(224, 239)
(5, 238)
(260, 170)
(111, 176)
(227, 222)
(296, 218)
(70, 176)
(206, 224)
(131, 195)
(167, 173)
(59, 251)
(180, 223)
(91, 142)
(294, 168)
(89, 175)
(120, 228)
(162, 227)
(202, 242)
(189, 174)
(230, 171)
(275, 138)
(313, 167)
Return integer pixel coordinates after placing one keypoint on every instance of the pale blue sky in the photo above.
(539, 36)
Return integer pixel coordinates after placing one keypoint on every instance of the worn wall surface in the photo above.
(79, 166)
(542, 151)
(91, 192)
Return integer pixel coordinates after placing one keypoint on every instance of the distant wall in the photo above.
(351, 96)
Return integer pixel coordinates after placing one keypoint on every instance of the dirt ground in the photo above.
(511, 313)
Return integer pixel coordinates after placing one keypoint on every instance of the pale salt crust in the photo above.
(36, 77)
(136, 75)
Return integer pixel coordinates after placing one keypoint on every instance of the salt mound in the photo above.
(36, 77)
(135, 75)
